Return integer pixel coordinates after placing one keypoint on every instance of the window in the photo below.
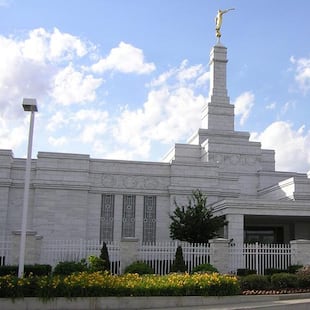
(263, 234)
(107, 217)
(129, 213)
(149, 219)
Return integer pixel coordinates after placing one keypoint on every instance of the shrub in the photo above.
(254, 282)
(293, 268)
(204, 268)
(36, 270)
(178, 264)
(67, 268)
(284, 280)
(85, 284)
(104, 255)
(303, 275)
(96, 264)
(245, 272)
(140, 268)
(8, 270)
(271, 271)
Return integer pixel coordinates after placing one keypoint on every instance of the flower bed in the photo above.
(86, 284)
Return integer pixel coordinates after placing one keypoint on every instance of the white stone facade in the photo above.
(73, 196)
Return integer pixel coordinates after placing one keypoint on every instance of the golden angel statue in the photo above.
(218, 21)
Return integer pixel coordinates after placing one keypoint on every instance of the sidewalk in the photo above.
(261, 302)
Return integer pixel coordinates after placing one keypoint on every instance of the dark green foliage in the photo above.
(6, 270)
(208, 268)
(245, 272)
(254, 282)
(104, 255)
(284, 280)
(178, 264)
(293, 268)
(139, 268)
(67, 268)
(35, 270)
(195, 222)
(271, 271)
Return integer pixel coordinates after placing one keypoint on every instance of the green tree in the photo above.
(178, 264)
(104, 255)
(195, 223)
(102, 262)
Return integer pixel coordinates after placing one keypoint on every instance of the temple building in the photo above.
(73, 196)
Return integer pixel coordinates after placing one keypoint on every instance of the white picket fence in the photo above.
(160, 255)
(260, 257)
(55, 251)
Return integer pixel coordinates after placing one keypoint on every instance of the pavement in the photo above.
(262, 302)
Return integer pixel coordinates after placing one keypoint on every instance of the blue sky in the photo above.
(126, 79)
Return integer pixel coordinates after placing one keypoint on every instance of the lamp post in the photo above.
(29, 105)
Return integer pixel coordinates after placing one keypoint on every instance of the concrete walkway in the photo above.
(262, 302)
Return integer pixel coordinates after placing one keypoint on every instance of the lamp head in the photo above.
(30, 105)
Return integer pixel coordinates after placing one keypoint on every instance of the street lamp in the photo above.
(29, 105)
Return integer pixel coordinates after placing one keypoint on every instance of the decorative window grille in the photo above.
(107, 217)
(129, 214)
(149, 219)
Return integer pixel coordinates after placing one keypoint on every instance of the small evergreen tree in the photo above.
(104, 255)
(195, 223)
(178, 264)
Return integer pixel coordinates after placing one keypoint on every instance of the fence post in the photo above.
(128, 252)
(32, 248)
(219, 257)
(300, 252)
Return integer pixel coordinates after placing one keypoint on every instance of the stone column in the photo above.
(300, 252)
(219, 254)
(128, 252)
(32, 248)
(235, 228)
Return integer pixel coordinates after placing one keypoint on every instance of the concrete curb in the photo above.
(98, 303)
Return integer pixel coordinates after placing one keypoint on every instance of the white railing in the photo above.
(259, 257)
(55, 251)
(160, 255)
(5, 250)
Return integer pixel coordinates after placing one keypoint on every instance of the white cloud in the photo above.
(124, 58)
(183, 75)
(302, 74)
(171, 112)
(57, 121)
(53, 46)
(188, 73)
(203, 79)
(243, 105)
(71, 86)
(90, 115)
(57, 142)
(13, 136)
(84, 126)
(292, 147)
(29, 66)
(166, 117)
